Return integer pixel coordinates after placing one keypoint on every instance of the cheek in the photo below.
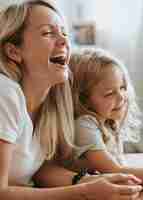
(37, 53)
(39, 46)
(98, 104)
(104, 107)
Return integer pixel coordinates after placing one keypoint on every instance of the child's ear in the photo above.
(13, 52)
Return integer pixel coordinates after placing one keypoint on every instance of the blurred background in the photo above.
(116, 25)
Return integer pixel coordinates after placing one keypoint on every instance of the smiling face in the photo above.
(44, 41)
(109, 96)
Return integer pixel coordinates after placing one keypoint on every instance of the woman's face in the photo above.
(45, 47)
(109, 97)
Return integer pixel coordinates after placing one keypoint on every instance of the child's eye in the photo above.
(123, 87)
(108, 94)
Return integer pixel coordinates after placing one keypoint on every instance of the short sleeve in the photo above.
(88, 136)
(10, 114)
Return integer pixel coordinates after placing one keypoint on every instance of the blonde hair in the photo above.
(54, 126)
(86, 67)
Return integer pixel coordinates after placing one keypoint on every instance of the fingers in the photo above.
(134, 179)
(114, 178)
(124, 178)
(130, 197)
(128, 189)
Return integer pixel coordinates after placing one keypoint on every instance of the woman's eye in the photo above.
(47, 33)
(51, 33)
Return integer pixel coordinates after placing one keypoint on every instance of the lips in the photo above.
(58, 60)
(118, 108)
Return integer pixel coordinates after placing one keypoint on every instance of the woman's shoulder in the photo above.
(7, 82)
(10, 89)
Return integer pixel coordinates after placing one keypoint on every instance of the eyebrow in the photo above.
(50, 26)
(112, 88)
(108, 89)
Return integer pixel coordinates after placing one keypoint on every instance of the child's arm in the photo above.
(93, 153)
(103, 162)
(97, 158)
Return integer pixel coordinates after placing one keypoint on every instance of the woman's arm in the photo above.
(8, 192)
(98, 189)
(101, 189)
(53, 175)
(6, 150)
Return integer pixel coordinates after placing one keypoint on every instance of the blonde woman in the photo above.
(36, 117)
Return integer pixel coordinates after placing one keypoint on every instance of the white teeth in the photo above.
(59, 55)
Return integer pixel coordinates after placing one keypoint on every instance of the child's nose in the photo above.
(120, 96)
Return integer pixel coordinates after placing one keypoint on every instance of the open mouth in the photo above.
(58, 60)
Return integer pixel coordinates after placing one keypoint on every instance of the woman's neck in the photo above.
(35, 93)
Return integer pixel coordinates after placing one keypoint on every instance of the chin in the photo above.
(117, 116)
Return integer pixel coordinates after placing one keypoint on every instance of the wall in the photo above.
(119, 29)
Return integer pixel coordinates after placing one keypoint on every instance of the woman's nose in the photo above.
(62, 40)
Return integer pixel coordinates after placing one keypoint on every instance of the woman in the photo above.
(36, 109)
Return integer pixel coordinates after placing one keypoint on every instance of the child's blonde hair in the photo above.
(86, 67)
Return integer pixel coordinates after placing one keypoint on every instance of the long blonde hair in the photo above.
(54, 126)
(86, 67)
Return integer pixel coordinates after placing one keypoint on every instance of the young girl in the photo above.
(36, 118)
(105, 110)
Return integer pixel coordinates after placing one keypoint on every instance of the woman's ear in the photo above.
(13, 52)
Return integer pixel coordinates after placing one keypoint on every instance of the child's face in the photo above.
(109, 97)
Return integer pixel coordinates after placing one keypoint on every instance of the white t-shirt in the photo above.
(16, 127)
(89, 137)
